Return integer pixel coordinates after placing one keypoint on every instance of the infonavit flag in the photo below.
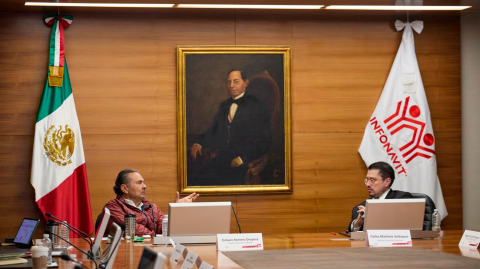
(400, 130)
(58, 163)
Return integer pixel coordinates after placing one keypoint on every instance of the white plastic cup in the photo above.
(39, 257)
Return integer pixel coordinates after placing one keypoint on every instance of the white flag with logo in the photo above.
(400, 130)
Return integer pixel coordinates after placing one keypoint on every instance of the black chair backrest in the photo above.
(97, 222)
(429, 207)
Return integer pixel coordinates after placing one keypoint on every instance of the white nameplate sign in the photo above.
(161, 260)
(389, 238)
(177, 253)
(205, 265)
(470, 239)
(469, 252)
(190, 260)
(237, 242)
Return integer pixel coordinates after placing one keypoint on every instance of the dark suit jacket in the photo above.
(249, 135)
(391, 195)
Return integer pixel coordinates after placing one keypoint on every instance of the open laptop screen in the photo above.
(26, 230)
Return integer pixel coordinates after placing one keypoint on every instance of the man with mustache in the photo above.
(130, 189)
(379, 179)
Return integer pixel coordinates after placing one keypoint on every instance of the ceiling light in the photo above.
(221, 6)
(398, 7)
(250, 6)
(50, 4)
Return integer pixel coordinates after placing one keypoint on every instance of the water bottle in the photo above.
(65, 234)
(436, 221)
(165, 226)
(48, 243)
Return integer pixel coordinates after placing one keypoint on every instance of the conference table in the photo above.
(129, 253)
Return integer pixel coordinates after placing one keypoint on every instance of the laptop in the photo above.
(201, 218)
(394, 214)
(100, 232)
(22, 240)
(111, 252)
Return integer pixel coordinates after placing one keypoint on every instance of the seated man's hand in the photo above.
(196, 148)
(187, 199)
(236, 162)
(358, 222)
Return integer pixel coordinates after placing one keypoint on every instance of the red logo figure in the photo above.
(421, 144)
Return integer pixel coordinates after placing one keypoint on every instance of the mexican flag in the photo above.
(58, 163)
(400, 129)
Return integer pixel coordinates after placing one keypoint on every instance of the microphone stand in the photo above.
(87, 254)
(78, 265)
(154, 226)
(85, 236)
(81, 236)
(72, 227)
(238, 224)
(68, 227)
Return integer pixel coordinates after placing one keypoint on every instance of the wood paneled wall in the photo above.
(123, 72)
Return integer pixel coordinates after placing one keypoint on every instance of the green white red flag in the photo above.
(58, 162)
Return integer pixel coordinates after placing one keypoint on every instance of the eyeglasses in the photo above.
(371, 180)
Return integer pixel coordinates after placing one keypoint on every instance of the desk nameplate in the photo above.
(470, 239)
(186, 239)
(414, 234)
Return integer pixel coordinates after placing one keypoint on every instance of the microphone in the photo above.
(87, 239)
(78, 265)
(154, 226)
(238, 224)
(87, 254)
(104, 265)
(68, 225)
(361, 213)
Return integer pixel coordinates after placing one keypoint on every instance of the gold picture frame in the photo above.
(251, 152)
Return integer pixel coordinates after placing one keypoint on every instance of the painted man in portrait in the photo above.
(239, 135)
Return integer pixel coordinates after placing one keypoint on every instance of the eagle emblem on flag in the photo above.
(59, 145)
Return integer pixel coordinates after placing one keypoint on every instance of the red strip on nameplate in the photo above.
(402, 244)
(256, 246)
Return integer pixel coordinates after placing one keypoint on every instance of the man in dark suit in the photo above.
(240, 133)
(380, 177)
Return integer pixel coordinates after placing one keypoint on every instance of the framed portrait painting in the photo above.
(234, 123)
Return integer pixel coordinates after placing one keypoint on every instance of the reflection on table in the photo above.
(129, 253)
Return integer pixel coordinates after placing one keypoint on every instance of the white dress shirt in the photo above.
(130, 202)
(233, 107)
(352, 227)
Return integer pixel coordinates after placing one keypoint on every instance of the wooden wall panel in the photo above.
(123, 73)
